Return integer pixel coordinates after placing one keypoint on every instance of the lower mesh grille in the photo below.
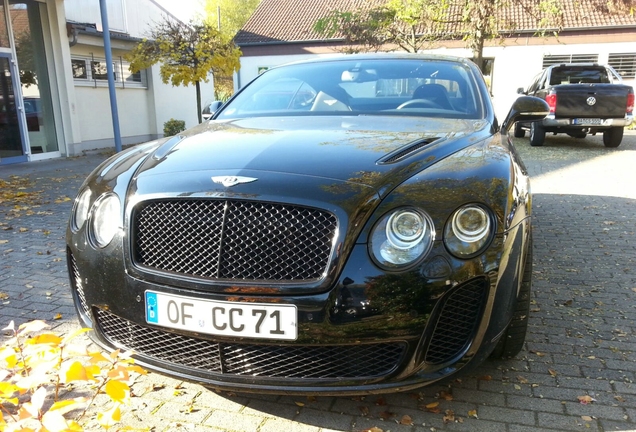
(76, 281)
(282, 361)
(457, 321)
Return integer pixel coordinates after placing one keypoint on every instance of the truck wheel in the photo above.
(519, 133)
(511, 342)
(612, 137)
(537, 134)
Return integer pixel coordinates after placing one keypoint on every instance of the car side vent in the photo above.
(406, 151)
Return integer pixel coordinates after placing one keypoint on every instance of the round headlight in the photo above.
(468, 231)
(405, 228)
(80, 210)
(471, 223)
(401, 238)
(104, 218)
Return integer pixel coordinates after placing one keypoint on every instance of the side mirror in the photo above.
(210, 109)
(525, 109)
(520, 91)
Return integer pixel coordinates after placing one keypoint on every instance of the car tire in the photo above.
(519, 132)
(511, 342)
(537, 134)
(612, 137)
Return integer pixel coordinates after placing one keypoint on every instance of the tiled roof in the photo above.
(293, 20)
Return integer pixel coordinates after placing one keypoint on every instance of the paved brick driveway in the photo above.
(582, 337)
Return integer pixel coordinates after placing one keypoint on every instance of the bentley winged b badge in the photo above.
(228, 181)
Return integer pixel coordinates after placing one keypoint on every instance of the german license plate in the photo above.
(252, 320)
(587, 121)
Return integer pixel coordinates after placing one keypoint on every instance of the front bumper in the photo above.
(371, 333)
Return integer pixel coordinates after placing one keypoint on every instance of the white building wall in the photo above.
(83, 11)
(142, 111)
(126, 16)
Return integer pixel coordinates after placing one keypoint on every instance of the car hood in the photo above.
(349, 149)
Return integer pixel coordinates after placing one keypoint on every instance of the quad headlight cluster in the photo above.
(102, 216)
(405, 235)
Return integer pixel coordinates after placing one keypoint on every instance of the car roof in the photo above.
(382, 56)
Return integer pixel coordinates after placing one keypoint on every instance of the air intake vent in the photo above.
(360, 361)
(406, 151)
(76, 282)
(457, 321)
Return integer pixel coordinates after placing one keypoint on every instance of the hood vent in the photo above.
(406, 151)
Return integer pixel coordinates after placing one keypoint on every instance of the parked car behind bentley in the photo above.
(342, 226)
(583, 99)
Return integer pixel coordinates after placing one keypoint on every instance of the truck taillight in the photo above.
(630, 103)
(551, 100)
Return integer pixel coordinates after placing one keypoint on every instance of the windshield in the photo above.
(391, 86)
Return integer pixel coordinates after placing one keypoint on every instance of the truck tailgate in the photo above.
(573, 100)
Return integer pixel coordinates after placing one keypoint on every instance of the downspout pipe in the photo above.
(110, 74)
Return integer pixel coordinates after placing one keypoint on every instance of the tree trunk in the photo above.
(198, 88)
(478, 53)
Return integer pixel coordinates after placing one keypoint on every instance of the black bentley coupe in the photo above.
(352, 225)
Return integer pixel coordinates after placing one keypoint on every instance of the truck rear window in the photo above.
(587, 75)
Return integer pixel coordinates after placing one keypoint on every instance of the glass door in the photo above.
(11, 143)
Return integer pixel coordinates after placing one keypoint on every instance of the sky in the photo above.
(182, 9)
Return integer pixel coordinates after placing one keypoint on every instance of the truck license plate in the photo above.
(587, 121)
(253, 320)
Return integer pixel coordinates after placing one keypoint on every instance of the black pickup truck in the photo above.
(583, 99)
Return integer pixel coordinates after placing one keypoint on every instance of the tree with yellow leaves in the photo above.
(188, 53)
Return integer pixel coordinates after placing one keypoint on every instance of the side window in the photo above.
(284, 94)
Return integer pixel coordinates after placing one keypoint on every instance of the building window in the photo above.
(79, 69)
(92, 71)
(549, 60)
(99, 70)
(624, 63)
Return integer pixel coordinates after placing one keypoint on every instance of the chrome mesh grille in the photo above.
(457, 321)
(362, 361)
(220, 239)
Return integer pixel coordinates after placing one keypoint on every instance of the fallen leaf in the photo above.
(472, 413)
(380, 401)
(364, 410)
(432, 405)
(4, 296)
(517, 387)
(619, 398)
(587, 418)
(445, 395)
(4, 241)
(586, 400)
(485, 378)
(300, 404)
(57, 316)
(373, 429)
(406, 420)
(567, 303)
(385, 415)
(553, 372)
(449, 416)
(522, 380)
